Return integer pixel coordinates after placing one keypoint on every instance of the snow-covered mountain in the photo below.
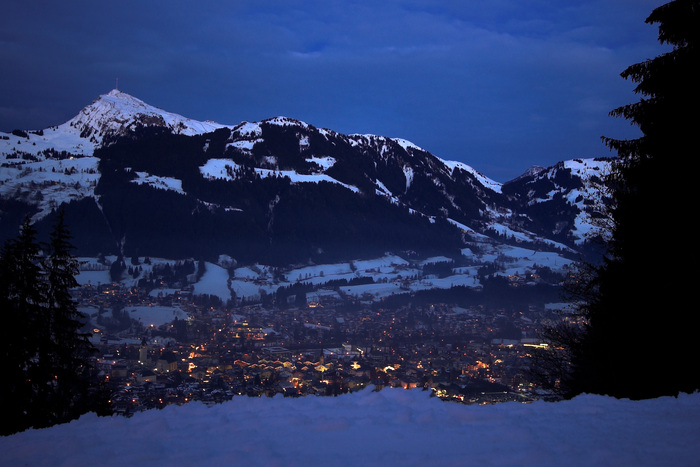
(55, 165)
(111, 115)
(118, 114)
(568, 197)
(137, 178)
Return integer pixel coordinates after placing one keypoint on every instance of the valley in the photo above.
(278, 257)
(168, 333)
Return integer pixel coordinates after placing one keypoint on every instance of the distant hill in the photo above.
(137, 180)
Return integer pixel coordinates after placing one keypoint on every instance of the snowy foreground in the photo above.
(390, 427)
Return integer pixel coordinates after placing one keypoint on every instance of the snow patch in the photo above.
(324, 162)
(158, 182)
(407, 144)
(485, 181)
(248, 129)
(225, 169)
(214, 282)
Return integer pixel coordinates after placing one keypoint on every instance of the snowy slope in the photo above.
(485, 181)
(591, 172)
(48, 183)
(568, 197)
(552, 208)
(390, 427)
(112, 114)
(389, 274)
(44, 168)
(118, 113)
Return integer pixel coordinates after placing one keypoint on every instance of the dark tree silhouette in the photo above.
(640, 324)
(45, 356)
(70, 349)
(23, 331)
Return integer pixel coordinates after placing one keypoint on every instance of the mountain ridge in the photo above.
(117, 113)
(259, 176)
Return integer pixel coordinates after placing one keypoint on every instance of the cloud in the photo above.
(515, 82)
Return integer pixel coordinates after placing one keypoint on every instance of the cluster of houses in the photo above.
(326, 347)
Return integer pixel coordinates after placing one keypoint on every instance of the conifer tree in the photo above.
(70, 349)
(45, 356)
(639, 340)
(23, 332)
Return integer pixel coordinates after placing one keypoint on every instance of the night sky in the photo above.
(500, 85)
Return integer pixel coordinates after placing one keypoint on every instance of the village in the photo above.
(319, 342)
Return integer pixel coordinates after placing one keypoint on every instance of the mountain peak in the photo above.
(286, 121)
(117, 95)
(117, 113)
(531, 172)
(116, 92)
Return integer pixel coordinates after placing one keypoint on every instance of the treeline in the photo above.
(268, 220)
(45, 355)
(496, 292)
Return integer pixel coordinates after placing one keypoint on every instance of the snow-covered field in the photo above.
(390, 427)
(93, 278)
(155, 315)
(389, 274)
(214, 282)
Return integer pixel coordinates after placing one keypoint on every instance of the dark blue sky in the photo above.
(500, 85)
